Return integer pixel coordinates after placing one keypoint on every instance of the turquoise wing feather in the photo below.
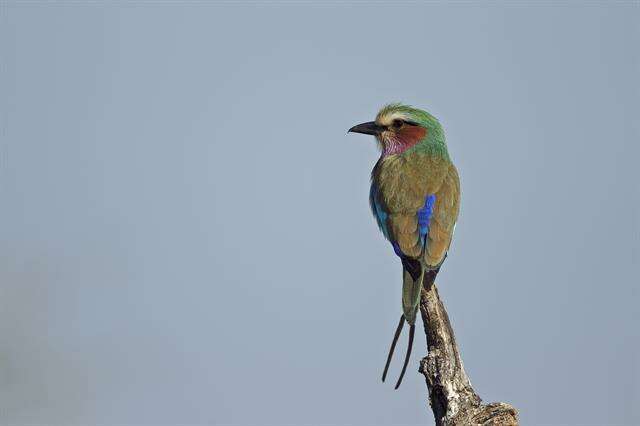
(378, 211)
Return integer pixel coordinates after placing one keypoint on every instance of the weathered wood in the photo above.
(452, 399)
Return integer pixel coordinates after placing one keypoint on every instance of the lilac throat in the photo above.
(393, 146)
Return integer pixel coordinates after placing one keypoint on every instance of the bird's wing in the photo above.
(401, 227)
(397, 193)
(443, 219)
(378, 210)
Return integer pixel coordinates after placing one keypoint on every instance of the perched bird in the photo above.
(415, 198)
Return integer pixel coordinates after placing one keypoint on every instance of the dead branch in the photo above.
(452, 399)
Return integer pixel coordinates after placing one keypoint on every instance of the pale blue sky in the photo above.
(185, 235)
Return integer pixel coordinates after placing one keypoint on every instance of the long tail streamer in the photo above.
(396, 336)
(393, 347)
(412, 329)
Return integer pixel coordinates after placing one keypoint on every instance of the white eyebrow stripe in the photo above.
(387, 119)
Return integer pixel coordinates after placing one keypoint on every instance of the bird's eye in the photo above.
(397, 124)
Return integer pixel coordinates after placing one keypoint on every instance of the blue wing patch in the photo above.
(424, 215)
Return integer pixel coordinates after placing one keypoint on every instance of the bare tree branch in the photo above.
(452, 399)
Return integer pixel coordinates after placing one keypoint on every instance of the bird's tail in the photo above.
(415, 277)
(412, 276)
(411, 288)
(412, 329)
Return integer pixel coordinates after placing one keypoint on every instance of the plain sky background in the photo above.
(185, 235)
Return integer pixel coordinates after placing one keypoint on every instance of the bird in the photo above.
(415, 200)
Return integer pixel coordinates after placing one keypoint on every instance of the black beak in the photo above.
(370, 128)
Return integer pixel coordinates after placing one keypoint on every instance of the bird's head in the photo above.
(399, 127)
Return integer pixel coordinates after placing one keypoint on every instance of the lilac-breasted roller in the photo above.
(415, 198)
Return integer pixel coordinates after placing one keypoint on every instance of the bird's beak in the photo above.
(370, 128)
